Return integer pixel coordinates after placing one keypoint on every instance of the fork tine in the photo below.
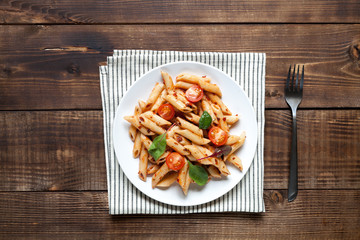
(302, 79)
(292, 80)
(288, 79)
(297, 79)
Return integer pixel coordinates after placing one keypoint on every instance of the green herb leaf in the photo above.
(158, 146)
(205, 120)
(198, 174)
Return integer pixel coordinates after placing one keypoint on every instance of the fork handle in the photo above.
(293, 177)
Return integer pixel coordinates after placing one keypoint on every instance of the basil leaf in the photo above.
(198, 174)
(205, 120)
(158, 146)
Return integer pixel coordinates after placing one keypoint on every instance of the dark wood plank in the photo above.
(315, 214)
(63, 150)
(56, 67)
(52, 151)
(175, 11)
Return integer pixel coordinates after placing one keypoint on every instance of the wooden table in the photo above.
(52, 169)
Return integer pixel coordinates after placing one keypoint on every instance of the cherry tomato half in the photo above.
(217, 136)
(166, 111)
(194, 93)
(175, 161)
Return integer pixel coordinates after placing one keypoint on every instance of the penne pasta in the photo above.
(177, 146)
(183, 141)
(232, 139)
(182, 177)
(231, 119)
(132, 132)
(189, 126)
(143, 163)
(154, 95)
(167, 81)
(220, 117)
(236, 161)
(213, 171)
(206, 107)
(151, 125)
(137, 145)
(217, 100)
(236, 145)
(142, 106)
(192, 117)
(185, 77)
(152, 169)
(177, 103)
(181, 96)
(159, 101)
(183, 85)
(134, 121)
(192, 136)
(156, 119)
(168, 180)
(210, 87)
(156, 178)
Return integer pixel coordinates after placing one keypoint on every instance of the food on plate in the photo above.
(181, 133)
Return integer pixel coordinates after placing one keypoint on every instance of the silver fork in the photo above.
(293, 96)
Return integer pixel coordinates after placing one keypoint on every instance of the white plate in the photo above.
(233, 96)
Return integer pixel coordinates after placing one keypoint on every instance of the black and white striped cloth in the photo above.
(123, 69)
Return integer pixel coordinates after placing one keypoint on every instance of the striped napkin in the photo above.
(123, 69)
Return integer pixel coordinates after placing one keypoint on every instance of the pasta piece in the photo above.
(168, 180)
(210, 87)
(168, 81)
(142, 105)
(159, 101)
(137, 145)
(189, 126)
(137, 110)
(151, 125)
(132, 132)
(181, 96)
(143, 163)
(171, 132)
(231, 119)
(186, 77)
(217, 100)
(154, 95)
(183, 85)
(152, 169)
(192, 117)
(183, 141)
(214, 161)
(176, 146)
(236, 161)
(232, 139)
(134, 120)
(213, 171)
(220, 117)
(192, 136)
(156, 178)
(177, 103)
(236, 145)
(182, 177)
(206, 107)
(156, 118)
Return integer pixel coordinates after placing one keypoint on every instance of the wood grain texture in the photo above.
(63, 150)
(50, 151)
(327, 214)
(56, 67)
(175, 11)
